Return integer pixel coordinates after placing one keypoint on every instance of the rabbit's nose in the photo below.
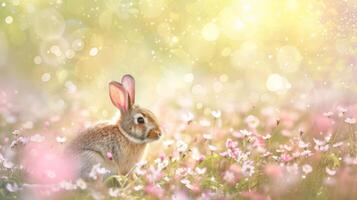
(154, 134)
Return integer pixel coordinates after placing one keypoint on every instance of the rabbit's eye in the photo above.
(140, 120)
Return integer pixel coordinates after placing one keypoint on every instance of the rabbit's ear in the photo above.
(129, 84)
(119, 96)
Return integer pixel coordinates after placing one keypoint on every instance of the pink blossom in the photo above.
(252, 121)
(231, 144)
(110, 155)
(259, 141)
(154, 174)
(233, 174)
(288, 119)
(46, 165)
(180, 195)
(322, 124)
(273, 171)
(229, 177)
(154, 190)
(285, 157)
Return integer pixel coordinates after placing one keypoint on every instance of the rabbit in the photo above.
(117, 147)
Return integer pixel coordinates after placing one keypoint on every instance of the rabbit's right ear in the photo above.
(128, 82)
(119, 96)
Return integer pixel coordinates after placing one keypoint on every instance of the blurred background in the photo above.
(202, 59)
(60, 55)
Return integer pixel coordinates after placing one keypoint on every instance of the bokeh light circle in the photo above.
(210, 32)
(277, 83)
(54, 52)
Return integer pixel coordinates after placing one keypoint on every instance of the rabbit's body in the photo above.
(108, 139)
(117, 147)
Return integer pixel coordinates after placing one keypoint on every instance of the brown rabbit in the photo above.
(117, 147)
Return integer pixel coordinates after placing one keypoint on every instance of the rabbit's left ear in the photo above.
(129, 84)
(119, 96)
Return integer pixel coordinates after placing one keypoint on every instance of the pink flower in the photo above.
(273, 171)
(180, 195)
(110, 155)
(46, 165)
(322, 124)
(252, 121)
(233, 174)
(259, 142)
(285, 157)
(154, 190)
(231, 144)
(154, 174)
(229, 177)
(287, 119)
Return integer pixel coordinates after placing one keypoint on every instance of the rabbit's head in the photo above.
(138, 124)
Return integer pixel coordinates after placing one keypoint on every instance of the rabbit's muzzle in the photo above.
(154, 134)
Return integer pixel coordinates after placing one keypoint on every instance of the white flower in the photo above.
(61, 139)
(252, 121)
(8, 164)
(96, 169)
(139, 171)
(181, 171)
(200, 171)
(141, 163)
(168, 143)
(162, 164)
(349, 120)
(330, 171)
(196, 154)
(181, 146)
(245, 132)
(229, 176)
(248, 168)
(114, 192)
(212, 147)
(306, 168)
(341, 111)
(81, 184)
(67, 185)
(188, 117)
(207, 136)
(138, 187)
(37, 138)
(328, 114)
(185, 181)
(216, 113)
(267, 136)
(320, 145)
(205, 122)
(16, 132)
(338, 144)
(302, 144)
(12, 187)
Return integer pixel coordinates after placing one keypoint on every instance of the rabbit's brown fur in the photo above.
(108, 139)
(125, 140)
